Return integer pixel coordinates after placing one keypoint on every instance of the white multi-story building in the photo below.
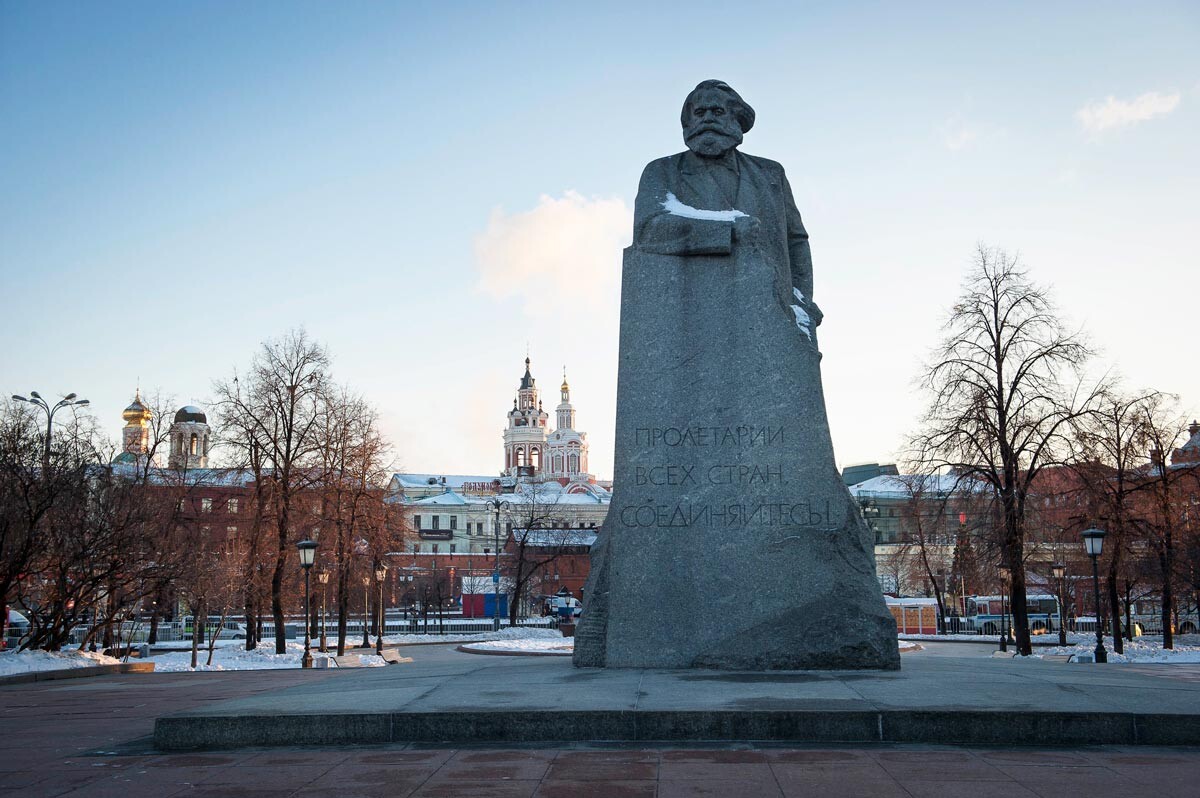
(544, 482)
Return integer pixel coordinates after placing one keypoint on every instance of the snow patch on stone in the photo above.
(673, 206)
(803, 320)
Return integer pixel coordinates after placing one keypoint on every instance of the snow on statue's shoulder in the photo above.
(673, 206)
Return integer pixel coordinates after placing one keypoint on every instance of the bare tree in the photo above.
(1000, 406)
(276, 408)
(1112, 446)
(1163, 426)
(540, 536)
(354, 511)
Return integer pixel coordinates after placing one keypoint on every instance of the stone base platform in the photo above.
(448, 697)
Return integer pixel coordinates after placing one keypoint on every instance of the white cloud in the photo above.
(1100, 116)
(565, 250)
(959, 133)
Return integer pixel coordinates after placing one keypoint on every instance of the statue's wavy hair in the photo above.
(742, 111)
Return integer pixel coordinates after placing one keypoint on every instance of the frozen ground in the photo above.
(13, 663)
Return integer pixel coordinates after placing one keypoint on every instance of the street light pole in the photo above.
(366, 580)
(1093, 544)
(308, 552)
(1059, 570)
(1003, 610)
(380, 575)
(323, 578)
(37, 401)
(497, 506)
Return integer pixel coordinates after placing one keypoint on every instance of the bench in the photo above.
(349, 661)
(1056, 658)
(392, 657)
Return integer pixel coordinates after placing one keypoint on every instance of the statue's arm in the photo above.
(798, 250)
(657, 231)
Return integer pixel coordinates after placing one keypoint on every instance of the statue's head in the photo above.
(714, 118)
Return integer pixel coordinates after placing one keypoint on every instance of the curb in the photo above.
(936, 727)
(76, 673)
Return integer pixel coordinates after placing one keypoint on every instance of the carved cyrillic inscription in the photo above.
(731, 516)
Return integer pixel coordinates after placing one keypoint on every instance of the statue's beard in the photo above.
(709, 142)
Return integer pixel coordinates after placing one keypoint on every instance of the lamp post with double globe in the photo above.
(1093, 544)
(496, 505)
(37, 401)
(308, 553)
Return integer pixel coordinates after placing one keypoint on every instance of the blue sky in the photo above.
(431, 188)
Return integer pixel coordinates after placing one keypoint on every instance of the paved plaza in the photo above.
(448, 696)
(92, 737)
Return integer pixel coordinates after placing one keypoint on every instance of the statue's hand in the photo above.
(814, 313)
(746, 228)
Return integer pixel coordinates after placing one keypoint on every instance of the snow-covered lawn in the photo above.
(236, 658)
(1038, 640)
(537, 645)
(1141, 650)
(506, 633)
(13, 663)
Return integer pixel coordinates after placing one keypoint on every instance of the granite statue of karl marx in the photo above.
(713, 200)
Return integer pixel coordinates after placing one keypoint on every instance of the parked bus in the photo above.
(984, 614)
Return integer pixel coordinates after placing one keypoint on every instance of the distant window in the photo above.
(434, 548)
(508, 528)
(231, 506)
(182, 505)
(206, 505)
(193, 444)
(435, 522)
(452, 547)
(231, 530)
(416, 522)
(415, 548)
(454, 522)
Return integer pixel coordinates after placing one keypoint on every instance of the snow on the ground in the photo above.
(543, 645)
(1140, 650)
(505, 633)
(1038, 640)
(906, 645)
(15, 662)
(233, 658)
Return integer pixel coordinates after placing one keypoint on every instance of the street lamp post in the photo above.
(323, 578)
(366, 580)
(1059, 570)
(308, 553)
(1093, 544)
(1003, 610)
(380, 575)
(497, 506)
(50, 409)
